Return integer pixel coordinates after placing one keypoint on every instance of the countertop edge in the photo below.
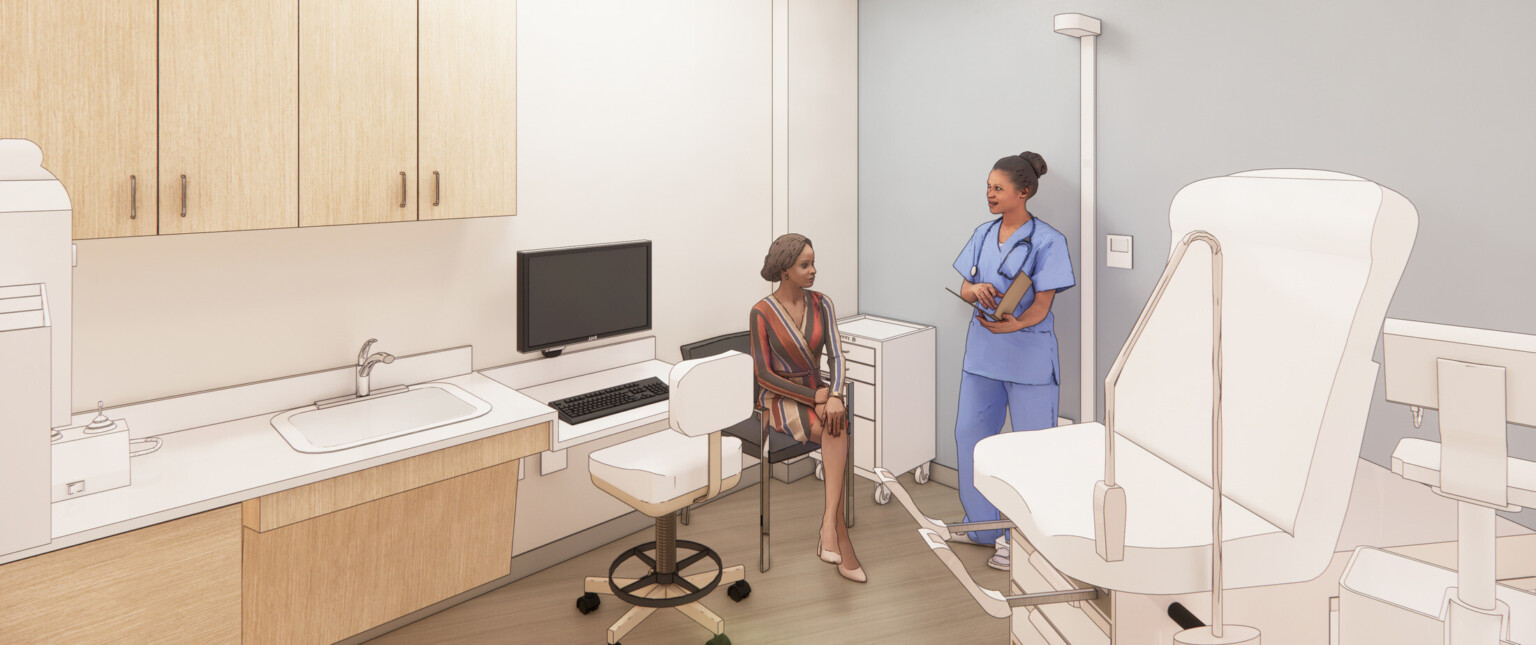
(186, 510)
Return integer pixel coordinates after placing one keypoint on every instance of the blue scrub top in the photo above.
(1027, 356)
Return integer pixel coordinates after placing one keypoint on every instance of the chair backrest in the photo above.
(710, 394)
(1311, 260)
(739, 341)
(711, 346)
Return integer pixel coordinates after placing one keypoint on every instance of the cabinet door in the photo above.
(331, 577)
(78, 79)
(357, 111)
(174, 582)
(229, 117)
(468, 108)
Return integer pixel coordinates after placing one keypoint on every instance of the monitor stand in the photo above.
(552, 352)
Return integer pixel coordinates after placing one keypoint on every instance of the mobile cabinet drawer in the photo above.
(856, 370)
(863, 400)
(860, 353)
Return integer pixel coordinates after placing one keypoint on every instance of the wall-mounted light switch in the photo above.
(1118, 253)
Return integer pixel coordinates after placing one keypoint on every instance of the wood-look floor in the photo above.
(910, 596)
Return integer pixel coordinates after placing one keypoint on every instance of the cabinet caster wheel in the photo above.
(739, 590)
(719, 639)
(821, 471)
(588, 603)
(922, 474)
(882, 494)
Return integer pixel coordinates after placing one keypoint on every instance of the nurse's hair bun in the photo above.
(1024, 169)
(1035, 161)
(782, 255)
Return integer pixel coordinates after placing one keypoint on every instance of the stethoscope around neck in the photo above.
(1029, 247)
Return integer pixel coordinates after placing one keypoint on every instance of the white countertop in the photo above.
(216, 465)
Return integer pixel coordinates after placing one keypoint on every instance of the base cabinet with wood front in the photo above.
(329, 560)
(314, 564)
(174, 582)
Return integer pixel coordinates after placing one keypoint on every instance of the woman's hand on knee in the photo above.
(837, 416)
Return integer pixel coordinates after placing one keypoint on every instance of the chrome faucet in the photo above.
(365, 363)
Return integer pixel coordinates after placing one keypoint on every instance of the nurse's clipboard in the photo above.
(1010, 300)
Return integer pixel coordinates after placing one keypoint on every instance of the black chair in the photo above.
(770, 447)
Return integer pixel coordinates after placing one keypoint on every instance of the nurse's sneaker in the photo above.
(999, 559)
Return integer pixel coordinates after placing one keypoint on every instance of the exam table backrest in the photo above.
(1311, 260)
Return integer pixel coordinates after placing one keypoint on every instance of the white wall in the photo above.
(819, 55)
(635, 121)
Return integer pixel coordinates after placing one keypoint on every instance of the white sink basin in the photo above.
(378, 417)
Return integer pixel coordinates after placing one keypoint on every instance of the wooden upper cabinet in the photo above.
(468, 108)
(229, 117)
(357, 111)
(78, 79)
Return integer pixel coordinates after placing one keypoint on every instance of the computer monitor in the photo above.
(582, 293)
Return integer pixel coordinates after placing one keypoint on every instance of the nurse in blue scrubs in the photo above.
(1010, 364)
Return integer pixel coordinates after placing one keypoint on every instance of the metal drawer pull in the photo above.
(437, 188)
(183, 195)
(402, 189)
(133, 196)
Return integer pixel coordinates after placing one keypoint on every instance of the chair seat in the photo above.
(780, 446)
(663, 466)
(1043, 480)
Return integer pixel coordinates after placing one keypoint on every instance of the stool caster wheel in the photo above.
(588, 603)
(719, 639)
(739, 590)
(882, 494)
(821, 472)
(922, 474)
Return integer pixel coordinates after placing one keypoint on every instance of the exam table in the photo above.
(1246, 380)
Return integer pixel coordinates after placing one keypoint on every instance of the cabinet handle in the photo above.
(183, 195)
(402, 189)
(437, 188)
(133, 196)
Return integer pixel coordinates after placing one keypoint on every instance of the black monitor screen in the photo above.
(582, 293)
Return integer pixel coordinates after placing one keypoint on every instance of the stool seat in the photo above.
(663, 467)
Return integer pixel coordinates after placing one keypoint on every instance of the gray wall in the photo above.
(1433, 102)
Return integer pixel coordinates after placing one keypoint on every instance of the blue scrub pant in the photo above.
(983, 402)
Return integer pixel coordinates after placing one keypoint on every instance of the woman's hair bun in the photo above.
(1035, 161)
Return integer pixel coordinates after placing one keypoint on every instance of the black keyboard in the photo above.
(601, 403)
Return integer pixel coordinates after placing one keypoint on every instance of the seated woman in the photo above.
(790, 329)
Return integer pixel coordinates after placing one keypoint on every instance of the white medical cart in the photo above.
(891, 364)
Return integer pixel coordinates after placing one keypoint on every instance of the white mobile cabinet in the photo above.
(891, 364)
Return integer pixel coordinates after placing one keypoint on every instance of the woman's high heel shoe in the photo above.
(829, 557)
(856, 574)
